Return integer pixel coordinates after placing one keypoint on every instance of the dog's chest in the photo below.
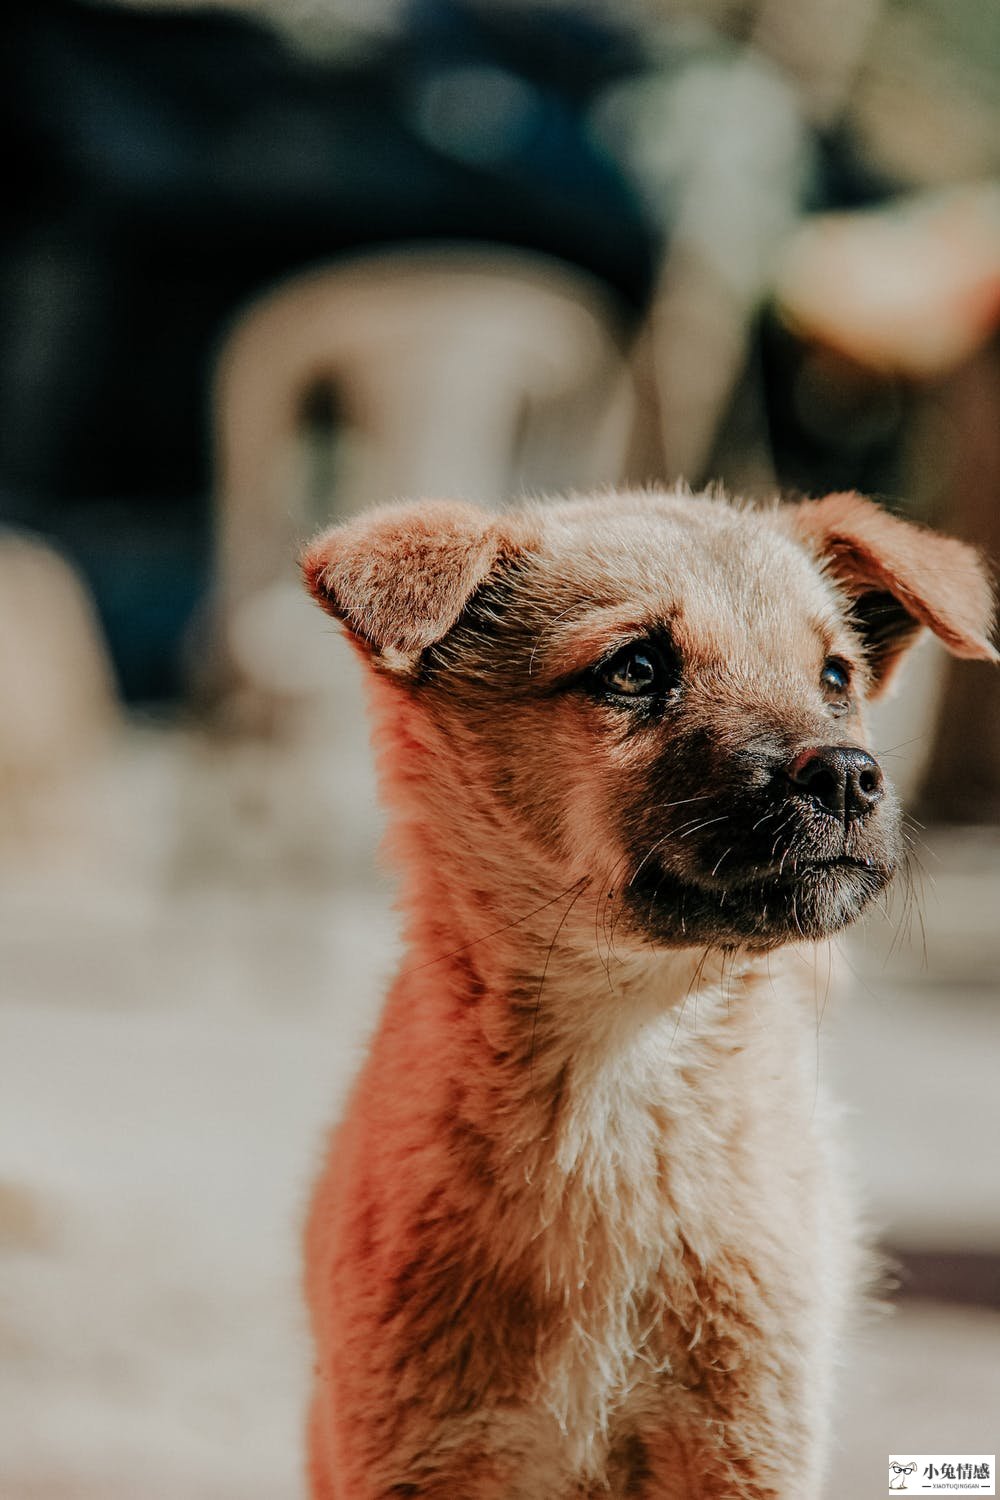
(658, 1182)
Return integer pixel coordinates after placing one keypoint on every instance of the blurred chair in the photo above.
(442, 373)
(60, 706)
(720, 145)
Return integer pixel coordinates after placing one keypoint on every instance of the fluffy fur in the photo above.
(581, 1231)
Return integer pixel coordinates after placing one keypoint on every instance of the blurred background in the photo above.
(262, 264)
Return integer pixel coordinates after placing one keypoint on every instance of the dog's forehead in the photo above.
(700, 563)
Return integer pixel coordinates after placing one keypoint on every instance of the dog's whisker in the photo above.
(545, 969)
(782, 826)
(653, 849)
(910, 826)
(547, 630)
(682, 801)
(664, 838)
(859, 979)
(497, 931)
(914, 740)
(820, 1010)
(605, 908)
(722, 818)
(911, 872)
(790, 852)
(602, 907)
(680, 1017)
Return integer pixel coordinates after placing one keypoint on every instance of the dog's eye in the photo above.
(638, 671)
(835, 676)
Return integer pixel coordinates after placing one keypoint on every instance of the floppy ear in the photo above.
(400, 576)
(900, 578)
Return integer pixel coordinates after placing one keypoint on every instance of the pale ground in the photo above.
(179, 1012)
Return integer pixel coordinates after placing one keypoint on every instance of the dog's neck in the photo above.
(556, 990)
(570, 1070)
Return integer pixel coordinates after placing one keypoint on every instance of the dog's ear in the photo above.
(400, 576)
(900, 578)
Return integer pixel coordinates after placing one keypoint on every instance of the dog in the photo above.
(582, 1231)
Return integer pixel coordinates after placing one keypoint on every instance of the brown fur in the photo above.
(581, 1232)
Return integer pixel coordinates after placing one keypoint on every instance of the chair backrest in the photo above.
(455, 372)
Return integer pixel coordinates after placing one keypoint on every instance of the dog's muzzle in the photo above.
(788, 847)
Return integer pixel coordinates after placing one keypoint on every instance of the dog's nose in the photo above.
(839, 778)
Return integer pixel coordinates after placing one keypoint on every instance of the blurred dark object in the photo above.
(166, 166)
(832, 423)
(962, 780)
(874, 312)
(968, 1277)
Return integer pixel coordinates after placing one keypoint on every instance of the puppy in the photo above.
(581, 1232)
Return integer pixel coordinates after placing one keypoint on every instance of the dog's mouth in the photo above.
(796, 898)
(840, 862)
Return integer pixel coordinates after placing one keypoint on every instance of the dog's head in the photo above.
(662, 694)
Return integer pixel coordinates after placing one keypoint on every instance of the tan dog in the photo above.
(580, 1234)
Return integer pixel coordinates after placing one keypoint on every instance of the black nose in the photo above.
(840, 779)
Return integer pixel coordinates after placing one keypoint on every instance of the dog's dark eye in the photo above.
(638, 671)
(835, 676)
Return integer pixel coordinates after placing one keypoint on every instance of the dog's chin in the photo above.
(762, 911)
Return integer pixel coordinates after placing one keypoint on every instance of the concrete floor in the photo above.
(181, 1004)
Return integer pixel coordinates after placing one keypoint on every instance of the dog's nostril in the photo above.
(841, 779)
(822, 784)
(865, 783)
(819, 775)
